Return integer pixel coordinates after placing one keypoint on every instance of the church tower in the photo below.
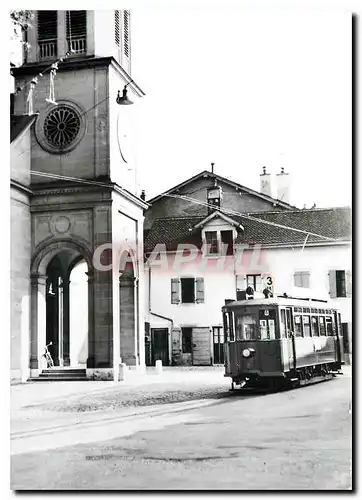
(84, 205)
(87, 134)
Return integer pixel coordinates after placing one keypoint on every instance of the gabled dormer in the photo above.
(218, 233)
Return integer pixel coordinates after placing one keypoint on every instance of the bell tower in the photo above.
(84, 203)
(79, 61)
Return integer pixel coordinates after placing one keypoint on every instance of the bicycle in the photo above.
(48, 357)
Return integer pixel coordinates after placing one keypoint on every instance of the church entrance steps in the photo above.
(60, 374)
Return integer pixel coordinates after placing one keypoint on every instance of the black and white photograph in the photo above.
(180, 239)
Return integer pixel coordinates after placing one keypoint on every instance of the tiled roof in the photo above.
(334, 223)
(172, 231)
(18, 123)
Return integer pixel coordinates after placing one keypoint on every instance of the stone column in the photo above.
(100, 321)
(127, 320)
(66, 322)
(136, 320)
(38, 322)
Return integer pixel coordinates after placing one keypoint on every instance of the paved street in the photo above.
(184, 432)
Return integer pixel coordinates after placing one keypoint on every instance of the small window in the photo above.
(231, 327)
(245, 327)
(298, 329)
(306, 326)
(254, 280)
(283, 325)
(322, 326)
(302, 279)
(341, 283)
(227, 238)
(267, 324)
(315, 329)
(212, 242)
(329, 326)
(187, 290)
(186, 340)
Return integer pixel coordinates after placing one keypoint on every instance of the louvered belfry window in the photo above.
(47, 33)
(117, 38)
(122, 20)
(126, 39)
(76, 21)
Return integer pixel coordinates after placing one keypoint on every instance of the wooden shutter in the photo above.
(332, 284)
(240, 282)
(117, 38)
(76, 23)
(199, 290)
(126, 33)
(47, 25)
(305, 279)
(348, 284)
(175, 290)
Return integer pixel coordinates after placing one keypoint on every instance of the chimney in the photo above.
(283, 186)
(265, 183)
(143, 195)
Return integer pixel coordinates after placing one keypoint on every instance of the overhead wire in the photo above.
(233, 212)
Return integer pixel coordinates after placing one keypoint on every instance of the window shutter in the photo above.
(126, 30)
(348, 284)
(175, 290)
(240, 282)
(306, 279)
(199, 290)
(332, 284)
(47, 25)
(116, 28)
(76, 23)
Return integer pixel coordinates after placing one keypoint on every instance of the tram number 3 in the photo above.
(269, 281)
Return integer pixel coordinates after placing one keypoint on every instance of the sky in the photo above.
(245, 87)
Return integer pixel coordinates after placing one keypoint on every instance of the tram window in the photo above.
(267, 328)
(315, 329)
(226, 326)
(329, 326)
(245, 327)
(283, 324)
(263, 323)
(271, 325)
(231, 327)
(322, 326)
(306, 326)
(298, 326)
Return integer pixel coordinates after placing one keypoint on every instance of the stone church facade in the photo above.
(74, 197)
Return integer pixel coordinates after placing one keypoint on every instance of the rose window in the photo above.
(62, 126)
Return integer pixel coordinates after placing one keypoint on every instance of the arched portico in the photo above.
(50, 301)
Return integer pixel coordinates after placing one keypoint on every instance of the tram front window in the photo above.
(267, 320)
(245, 327)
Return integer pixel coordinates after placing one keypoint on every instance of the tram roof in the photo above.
(282, 301)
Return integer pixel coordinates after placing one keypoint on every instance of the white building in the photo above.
(196, 262)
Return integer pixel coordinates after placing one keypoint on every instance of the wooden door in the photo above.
(159, 346)
(201, 346)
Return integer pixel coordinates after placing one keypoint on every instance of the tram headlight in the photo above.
(246, 353)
